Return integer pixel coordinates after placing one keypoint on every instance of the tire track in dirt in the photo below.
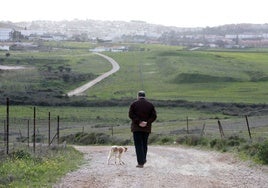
(168, 167)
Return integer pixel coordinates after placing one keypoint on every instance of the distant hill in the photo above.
(227, 36)
(9, 25)
(237, 29)
(118, 28)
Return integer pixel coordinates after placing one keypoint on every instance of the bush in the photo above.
(219, 144)
(81, 138)
(250, 149)
(38, 138)
(120, 141)
(166, 140)
(181, 140)
(204, 141)
(263, 152)
(192, 140)
(20, 154)
(234, 140)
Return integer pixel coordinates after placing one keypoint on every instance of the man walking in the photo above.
(143, 114)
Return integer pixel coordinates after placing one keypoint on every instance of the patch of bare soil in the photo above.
(166, 167)
(2, 67)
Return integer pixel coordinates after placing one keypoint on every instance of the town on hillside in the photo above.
(25, 34)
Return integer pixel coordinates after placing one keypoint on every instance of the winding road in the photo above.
(83, 88)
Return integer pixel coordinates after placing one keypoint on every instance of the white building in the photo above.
(59, 37)
(4, 48)
(5, 34)
(27, 33)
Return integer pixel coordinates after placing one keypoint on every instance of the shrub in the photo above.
(21, 139)
(20, 154)
(86, 139)
(38, 138)
(263, 152)
(192, 140)
(166, 140)
(203, 141)
(81, 138)
(181, 140)
(234, 140)
(102, 138)
(250, 149)
(119, 141)
(219, 144)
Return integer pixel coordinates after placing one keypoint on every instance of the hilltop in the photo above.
(232, 35)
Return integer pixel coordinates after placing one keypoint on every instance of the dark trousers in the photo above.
(141, 146)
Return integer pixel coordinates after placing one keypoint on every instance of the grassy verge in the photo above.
(22, 169)
(246, 149)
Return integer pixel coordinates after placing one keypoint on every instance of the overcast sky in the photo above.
(181, 13)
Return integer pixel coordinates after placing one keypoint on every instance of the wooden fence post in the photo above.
(34, 129)
(5, 131)
(58, 130)
(203, 129)
(28, 132)
(187, 124)
(248, 126)
(221, 130)
(48, 129)
(7, 127)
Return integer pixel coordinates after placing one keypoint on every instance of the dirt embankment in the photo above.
(166, 167)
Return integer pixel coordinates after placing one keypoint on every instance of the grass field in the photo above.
(171, 74)
(166, 73)
(48, 74)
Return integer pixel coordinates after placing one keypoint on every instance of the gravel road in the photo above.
(166, 166)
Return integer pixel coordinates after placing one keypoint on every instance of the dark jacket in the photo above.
(142, 110)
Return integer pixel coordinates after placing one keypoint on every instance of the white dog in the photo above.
(117, 152)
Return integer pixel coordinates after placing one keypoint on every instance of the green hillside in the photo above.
(170, 73)
(164, 72)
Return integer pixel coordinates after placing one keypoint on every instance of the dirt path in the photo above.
(3, 67)
(81, 89)
(168, 167)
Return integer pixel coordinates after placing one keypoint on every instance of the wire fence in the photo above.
(25, 132)
(34, 132)
(248, 127)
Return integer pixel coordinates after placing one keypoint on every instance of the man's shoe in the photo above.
(139, 166)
